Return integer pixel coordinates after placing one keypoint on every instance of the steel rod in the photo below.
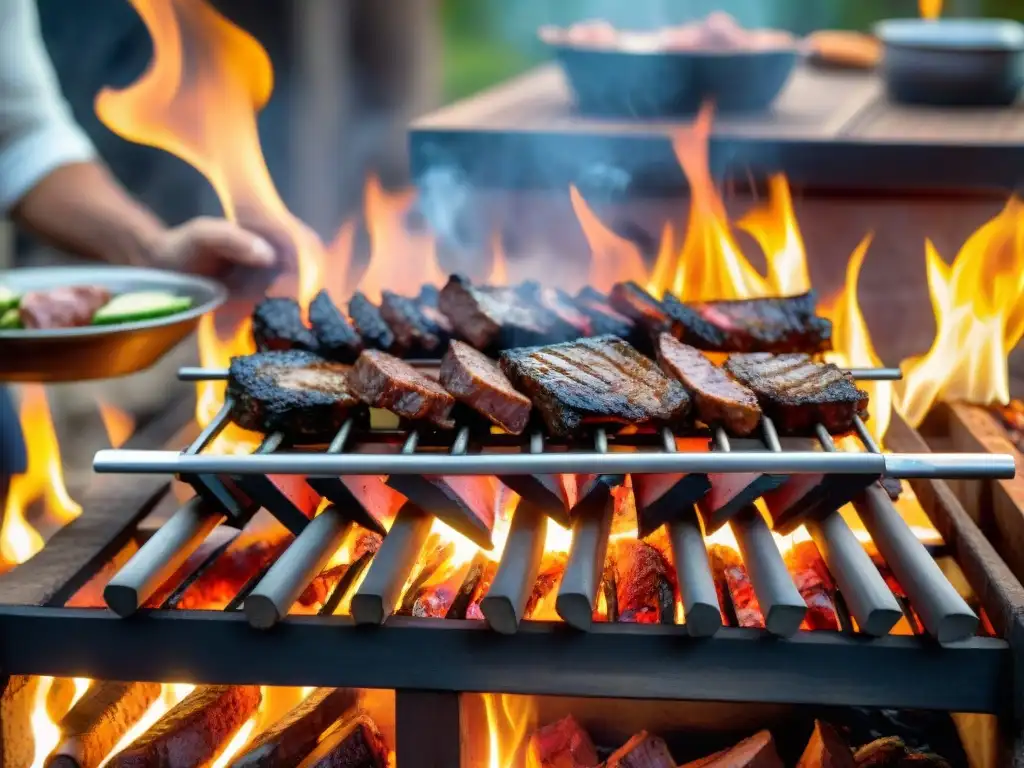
(194, 373)
(577, 594)
(944, 613)
(505, 602)
(276, 593)
(701, 613)
(161, 556)
(907, 465)
(214, 428)
(781, 603)
(543, 490)
(380, 591)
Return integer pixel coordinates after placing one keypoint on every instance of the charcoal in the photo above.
(277, 326)
(298, 393)
(373, 329)
(336, 337)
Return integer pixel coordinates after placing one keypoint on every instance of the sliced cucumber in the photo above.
(10, 319)
(144, 305)
(8, 299)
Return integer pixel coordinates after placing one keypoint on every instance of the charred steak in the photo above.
(277, 326)
(294, 392)
(797, 392)
(717, 398)
(384, 381)
(602, 380)
(604, 319)
(499, 318)
(639, 306)
(373, 329)
(777, 325)
(558, 302)
(336, 337)
(476, 380)
(66, 307)
(418, 328)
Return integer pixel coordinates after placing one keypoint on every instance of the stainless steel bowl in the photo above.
(952, 62)
(100, 352)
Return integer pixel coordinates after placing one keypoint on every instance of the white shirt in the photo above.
(37, 131)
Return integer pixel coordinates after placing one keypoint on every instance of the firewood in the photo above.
(59, 697)
(352, 743)
(194, 731)
(98, 721)
(552, 566)
(757, 751)
(643, 583)
(218, 584)
(293, 736)
(735, 586)
(320, 588)
(815, 584)
(891, 752)
(469, 588)
(642, 751)
(17, 746)
(435, 558)
(827, 748)
(562, 744)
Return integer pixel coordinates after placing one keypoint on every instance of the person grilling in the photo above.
(54, 186)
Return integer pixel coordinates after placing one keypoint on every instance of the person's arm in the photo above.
(53, 185)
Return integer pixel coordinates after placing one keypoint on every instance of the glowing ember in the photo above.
(119, 424)
(44, 481)
(979, 318)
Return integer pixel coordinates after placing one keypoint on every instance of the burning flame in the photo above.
(930, 9)
(979, 318)
(510, 720)
(45, 733)
(612, 258)
(119, 424)
(44, 481)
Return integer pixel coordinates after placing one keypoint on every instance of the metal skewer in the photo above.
(505, 603)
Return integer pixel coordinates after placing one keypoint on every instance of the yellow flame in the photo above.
(170, 695)
(930, 9)
(238, 741)
(979, 318)
(612, 258)
(510, 720)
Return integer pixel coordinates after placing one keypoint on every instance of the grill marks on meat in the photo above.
(298, 393)
(499, 318)
(277, 326)
(476, 380)
(797, 392)
(717, 398)
(383, 381)
(595, 381)
(418, 327)
(195, 730)
(778, 325)
(68, 307)
(366, 317)
(336, 338)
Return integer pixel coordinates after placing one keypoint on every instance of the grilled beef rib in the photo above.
(384, 381)
(476, 380)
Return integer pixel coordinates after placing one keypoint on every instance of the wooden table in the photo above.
(827, 130)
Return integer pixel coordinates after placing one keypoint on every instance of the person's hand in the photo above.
(211, 247)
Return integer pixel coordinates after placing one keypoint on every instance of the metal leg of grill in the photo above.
(161, 556)
(377, 596)
(428, 729)
(273, 597)
(505, 602)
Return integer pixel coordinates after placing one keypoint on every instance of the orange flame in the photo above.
(979, 318)
(119, 424)
(612, 258)
(510, 720)
(45, 732)
(929, 9)
(44, 481)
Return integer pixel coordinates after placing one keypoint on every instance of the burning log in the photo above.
(194, 731)
(94, 726)
(506, 602)
(642, 751)
(891, 752)
(17, 744)
(59, 697)
(552, 566)
(246, 556)
(483, 587)
(644, 591)
(480, 568)
(320, 588)
(295, 735)
(826, 749)
(352, 743)
(390, 569)
(757, 751)
(814, 582)
(734, 586)
(562, 744)
(439, 554)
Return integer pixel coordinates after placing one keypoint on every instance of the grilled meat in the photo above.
(717, 398)
(336, 337)
(603, 318)
(68, 307)
(384, 381)
(277, 326)
(373, 329)
(499, 318)
(429, 296)
(297, 393)
(596, 381)
(639, 306)
(558, 302)
(418, 328)
(778, 325)
(797, 392)
(475, 379)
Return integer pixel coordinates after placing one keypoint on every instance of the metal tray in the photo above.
(100, 352)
